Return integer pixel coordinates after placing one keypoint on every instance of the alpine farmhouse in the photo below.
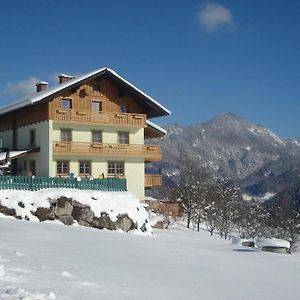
(92, 125)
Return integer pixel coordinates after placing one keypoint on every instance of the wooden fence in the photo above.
(39, 182)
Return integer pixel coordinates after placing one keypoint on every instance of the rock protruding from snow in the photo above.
(45, 213)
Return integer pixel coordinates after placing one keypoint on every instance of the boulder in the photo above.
(104, 222)
(67, 220)
(44, 213)
(79, 205)
(161, 224)
(63, 207)
(7, 211)
(84, 214)
(125, 223)
(84, 223)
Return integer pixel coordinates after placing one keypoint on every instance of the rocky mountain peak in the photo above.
(231, 146)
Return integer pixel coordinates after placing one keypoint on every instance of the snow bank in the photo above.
(113, 203)
(264, 242)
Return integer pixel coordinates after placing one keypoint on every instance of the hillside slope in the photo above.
(40, 261)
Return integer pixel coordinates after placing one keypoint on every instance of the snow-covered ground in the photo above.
(52, 261)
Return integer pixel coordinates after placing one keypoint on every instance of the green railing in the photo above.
(39, 182)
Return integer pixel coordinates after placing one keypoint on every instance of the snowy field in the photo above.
(52, 261)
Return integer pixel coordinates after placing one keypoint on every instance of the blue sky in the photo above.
(197, 58)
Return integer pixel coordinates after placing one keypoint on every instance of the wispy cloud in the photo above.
(53, 78)
(27, 87)
(213, 17)
(21, 88)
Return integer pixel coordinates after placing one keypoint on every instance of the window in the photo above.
(1, 142)
(62, 168)
(66, 135)
(115, 168)
(123, 137)
(97, 137)
(123, 108)
(96, 106)
(85, 168)
(66, 103)
(25, 165)
(32, 137)
(32, 167)
(96, 87)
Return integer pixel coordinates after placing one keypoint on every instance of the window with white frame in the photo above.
(123, 137)
(62, 168)
(84, 168)
(96, 105)
(115, 169)
(97, 137)
(66, 135)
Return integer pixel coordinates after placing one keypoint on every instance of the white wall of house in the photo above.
(135, 174)
(134, 169)
(42, 140)
(83, 133)
(7, 139)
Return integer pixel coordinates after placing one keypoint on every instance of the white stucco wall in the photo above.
(42, 138)
(6, 139)
(134, 169)
(83, 133)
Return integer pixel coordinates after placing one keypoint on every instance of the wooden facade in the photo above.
(153, 180)
(149, 152)
(112, 101)
(25, 116)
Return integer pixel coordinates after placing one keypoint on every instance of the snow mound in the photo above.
(264, 242)
(112, 203)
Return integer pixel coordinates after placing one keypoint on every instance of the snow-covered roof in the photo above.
(12, 154)
(155, 126)
(50, 91)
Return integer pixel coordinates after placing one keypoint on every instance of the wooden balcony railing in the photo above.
(149, 152)
(152, 180)
(136, 120)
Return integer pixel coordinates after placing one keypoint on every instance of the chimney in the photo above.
(41, 86)
(63, 78)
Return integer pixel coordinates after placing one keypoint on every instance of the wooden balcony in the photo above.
(152, 180)
(112, 118)
(148, 152)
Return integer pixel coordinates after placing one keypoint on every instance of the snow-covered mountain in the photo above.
(251, 154)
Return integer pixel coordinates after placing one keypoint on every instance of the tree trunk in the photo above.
(188, 219)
